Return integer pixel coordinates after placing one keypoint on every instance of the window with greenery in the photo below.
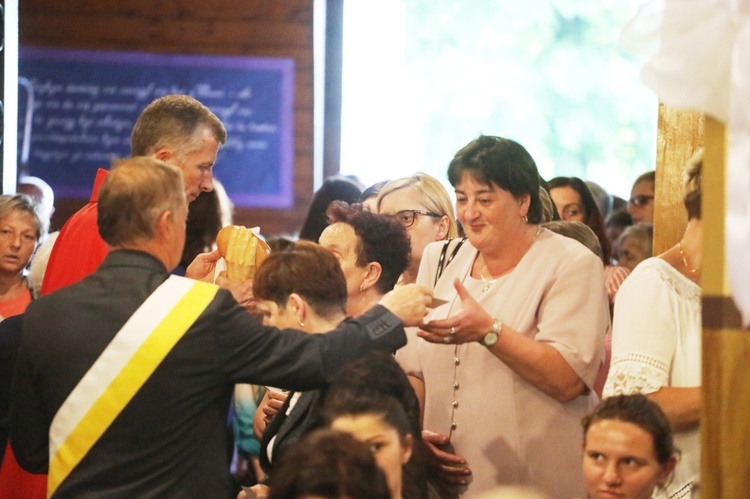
(421, 78)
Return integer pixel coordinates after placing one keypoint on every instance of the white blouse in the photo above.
(656, 342)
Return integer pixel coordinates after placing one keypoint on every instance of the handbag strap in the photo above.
(441, 261)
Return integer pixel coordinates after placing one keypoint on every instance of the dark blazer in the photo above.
(304, 417)
(170, 440)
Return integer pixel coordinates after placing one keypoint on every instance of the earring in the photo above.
(524, 219)
(301, 324)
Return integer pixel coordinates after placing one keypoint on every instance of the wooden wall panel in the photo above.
(680, 134)
(226, 27)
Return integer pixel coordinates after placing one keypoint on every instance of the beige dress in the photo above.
(509, 431)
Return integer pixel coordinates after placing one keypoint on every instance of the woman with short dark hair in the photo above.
(628, 449)
(506, 366)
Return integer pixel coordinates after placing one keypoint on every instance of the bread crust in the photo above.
(242, 250)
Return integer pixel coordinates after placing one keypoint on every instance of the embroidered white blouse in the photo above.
(656, 342)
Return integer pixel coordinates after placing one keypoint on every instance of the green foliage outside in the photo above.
(549, 74)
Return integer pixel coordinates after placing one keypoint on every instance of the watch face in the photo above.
(490, 338)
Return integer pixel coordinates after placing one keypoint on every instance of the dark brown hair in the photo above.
(502, 162)
(329, 464)
(376, 384)
(638, 410)
(381, 239)
(594, 218)
(307, 269)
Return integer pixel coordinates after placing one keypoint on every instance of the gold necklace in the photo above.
(684, 260)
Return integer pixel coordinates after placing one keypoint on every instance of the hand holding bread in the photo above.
(242, 250)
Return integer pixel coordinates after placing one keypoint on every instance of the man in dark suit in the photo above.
(123, 380)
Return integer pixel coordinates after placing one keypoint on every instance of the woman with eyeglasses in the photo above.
(422, 205)
(505, 368)
(641, 203)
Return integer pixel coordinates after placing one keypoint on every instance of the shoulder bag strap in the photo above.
(441, 261)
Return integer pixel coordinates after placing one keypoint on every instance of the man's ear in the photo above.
(163, 154)
(164, 225)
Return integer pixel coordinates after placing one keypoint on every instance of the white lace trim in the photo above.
(677, 282)
(635, 373)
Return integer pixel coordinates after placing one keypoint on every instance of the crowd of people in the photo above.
(523, 341)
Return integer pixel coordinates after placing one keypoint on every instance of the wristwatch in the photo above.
(492, 336)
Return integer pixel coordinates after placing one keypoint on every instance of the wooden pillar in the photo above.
(725, 417)
(680, 134)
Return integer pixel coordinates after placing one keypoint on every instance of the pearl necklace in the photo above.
(487, 284)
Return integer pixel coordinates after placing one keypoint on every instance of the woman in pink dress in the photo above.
(505, 367)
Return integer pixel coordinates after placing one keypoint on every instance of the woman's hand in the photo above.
(451, 469)
(471, 323)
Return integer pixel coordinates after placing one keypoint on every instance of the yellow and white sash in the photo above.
(121, 370)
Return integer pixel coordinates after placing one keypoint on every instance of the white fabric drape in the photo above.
(699, 58)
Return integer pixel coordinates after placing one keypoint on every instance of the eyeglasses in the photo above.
(640, 200)
(407, 217)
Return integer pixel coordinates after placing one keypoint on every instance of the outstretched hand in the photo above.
(408, 303)
(471, 323)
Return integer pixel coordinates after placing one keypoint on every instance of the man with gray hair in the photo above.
(123, 380)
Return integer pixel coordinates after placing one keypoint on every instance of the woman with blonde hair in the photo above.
(422, 205)
(21, 227)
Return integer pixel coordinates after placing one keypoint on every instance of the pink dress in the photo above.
(509, 431)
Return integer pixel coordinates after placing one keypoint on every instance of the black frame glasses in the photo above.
(640, 200)
(407, 217)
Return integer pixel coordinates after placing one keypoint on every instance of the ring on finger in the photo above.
(448, 338)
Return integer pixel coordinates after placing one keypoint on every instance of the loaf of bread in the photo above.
(242, 250)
